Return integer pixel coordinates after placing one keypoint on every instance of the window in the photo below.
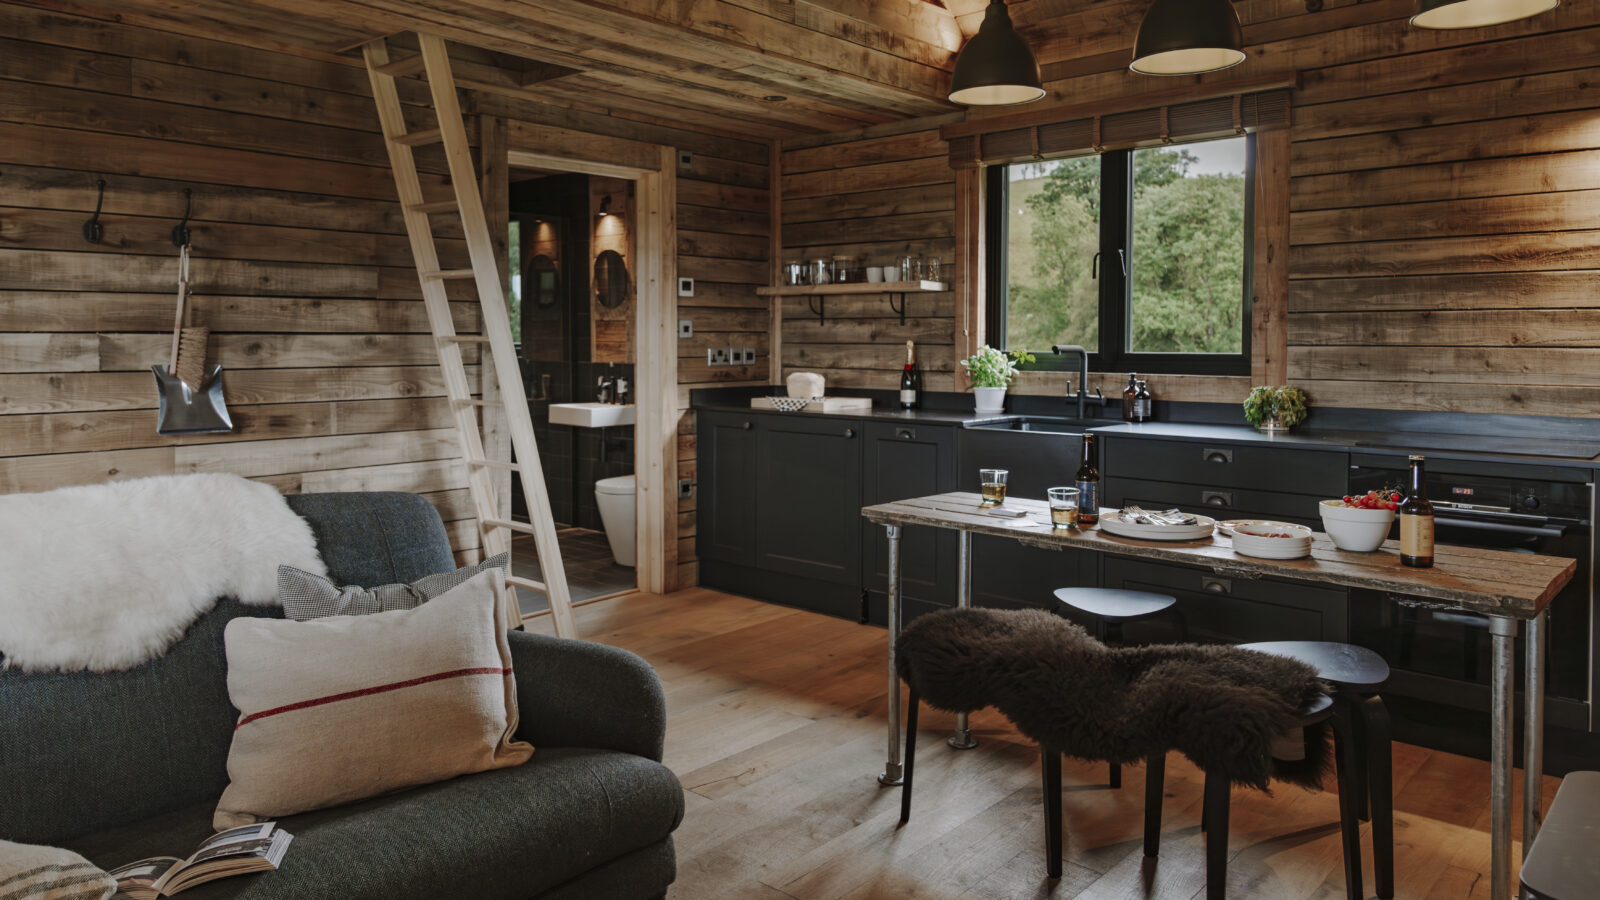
(1142, 256)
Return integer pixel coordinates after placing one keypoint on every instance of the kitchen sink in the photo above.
(1036, 424)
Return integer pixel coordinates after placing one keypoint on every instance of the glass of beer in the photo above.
(993, 482)
(1063, 507)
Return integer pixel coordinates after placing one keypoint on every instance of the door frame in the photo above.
(655, 340)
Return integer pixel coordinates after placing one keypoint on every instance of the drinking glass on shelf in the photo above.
(933, 269)
(794, 272)
(820, 271)
(910, 268)
(1063, 507)
(844, 269)
(993, 482)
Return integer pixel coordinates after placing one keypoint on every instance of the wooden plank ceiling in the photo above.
(748, 68)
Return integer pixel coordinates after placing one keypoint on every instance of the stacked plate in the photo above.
(1271, 540)
(1113, 523)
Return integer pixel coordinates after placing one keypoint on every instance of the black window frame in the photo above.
(1115, 300)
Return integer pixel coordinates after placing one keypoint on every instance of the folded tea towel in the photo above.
(30, 872)
(107, 576)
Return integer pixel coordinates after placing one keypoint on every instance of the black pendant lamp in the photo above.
(1476, 13)
(996, 68)
(1187, 37)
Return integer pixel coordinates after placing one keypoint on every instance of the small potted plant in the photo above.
(1276, 408)
(991, 372)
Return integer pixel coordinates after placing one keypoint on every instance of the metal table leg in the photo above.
(1534, 638)
(963, 739)
(892, 770)
(1503, 632)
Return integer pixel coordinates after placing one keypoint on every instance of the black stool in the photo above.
(1111, 609)
(1218, 799)
(1357, 674)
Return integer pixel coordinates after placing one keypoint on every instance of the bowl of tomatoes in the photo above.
(1360, 522)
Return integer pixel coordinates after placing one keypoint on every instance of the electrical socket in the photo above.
(717, 356)
(685, 287)
(744, 356)
(685, 328)
(685, 159)
(685, 488)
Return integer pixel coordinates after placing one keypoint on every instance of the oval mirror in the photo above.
(544, 280)
(610, 279)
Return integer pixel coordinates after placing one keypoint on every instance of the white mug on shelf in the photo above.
(875, 274)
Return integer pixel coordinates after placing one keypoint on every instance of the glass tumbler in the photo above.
(993, 482)
(1063, 507)
(933, 269)
(910, 268)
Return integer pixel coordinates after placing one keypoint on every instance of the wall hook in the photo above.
(180, 231)
(93, 231)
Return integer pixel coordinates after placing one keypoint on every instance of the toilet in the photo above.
(614, 496)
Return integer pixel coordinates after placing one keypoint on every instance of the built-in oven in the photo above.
(1443, 656)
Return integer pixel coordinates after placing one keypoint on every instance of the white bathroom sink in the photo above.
(591, 415)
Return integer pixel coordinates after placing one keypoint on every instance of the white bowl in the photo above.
(1272, 540)
(1360, 530)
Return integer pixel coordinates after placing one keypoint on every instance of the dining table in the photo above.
(1512, 590)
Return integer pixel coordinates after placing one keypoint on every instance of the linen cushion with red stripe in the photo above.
(347, 707)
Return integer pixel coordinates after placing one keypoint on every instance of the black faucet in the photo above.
(1084, 397)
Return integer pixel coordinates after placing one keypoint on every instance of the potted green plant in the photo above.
(991, 372)
(1276, 408)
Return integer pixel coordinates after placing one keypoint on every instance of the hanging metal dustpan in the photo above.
(191, 400)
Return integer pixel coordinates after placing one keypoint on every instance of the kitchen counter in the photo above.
(1505, 447)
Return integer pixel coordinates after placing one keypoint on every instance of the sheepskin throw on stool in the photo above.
(107, 576)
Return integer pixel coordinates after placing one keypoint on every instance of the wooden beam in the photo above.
(1269, 307)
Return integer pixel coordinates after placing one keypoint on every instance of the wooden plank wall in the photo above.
(301, 268)
(1445, 197)
(876, 199)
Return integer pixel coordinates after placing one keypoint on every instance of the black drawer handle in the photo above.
(849, 432)
(907, 433)
(1216, 498)
(1216, 585)
(1214, 455)
(747, 426)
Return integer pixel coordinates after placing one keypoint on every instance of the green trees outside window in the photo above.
(1141, 256)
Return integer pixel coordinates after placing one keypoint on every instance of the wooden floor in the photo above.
(776, 731)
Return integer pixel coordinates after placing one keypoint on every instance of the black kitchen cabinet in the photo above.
(1007, 574)
(808, 497)
(903, 461)
(1222, 480)
(1221, 609)
(725, 516)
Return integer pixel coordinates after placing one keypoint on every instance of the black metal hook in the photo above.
(819, 307)
(901, 309)
(93, 231)
(180, 231)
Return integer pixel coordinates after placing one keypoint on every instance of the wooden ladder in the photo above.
(434, 62)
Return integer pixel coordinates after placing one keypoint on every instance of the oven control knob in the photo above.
(1530, 502)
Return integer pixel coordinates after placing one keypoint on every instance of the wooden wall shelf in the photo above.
(855, 287)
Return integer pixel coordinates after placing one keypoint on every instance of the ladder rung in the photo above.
(411, 65)
(419, 137)
(434, 206)
(529, 583)
(494, 464)
(442, 274)
(524, 527)
(464, 339)
(484, 403)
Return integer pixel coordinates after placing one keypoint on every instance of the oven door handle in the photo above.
(1545, 530)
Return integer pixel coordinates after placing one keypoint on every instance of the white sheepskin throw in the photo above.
(108, 576)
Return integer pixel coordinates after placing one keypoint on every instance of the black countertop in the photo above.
(1510, 448)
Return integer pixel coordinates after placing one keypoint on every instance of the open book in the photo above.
(237, 851)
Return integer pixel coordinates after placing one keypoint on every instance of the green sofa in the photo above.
(125, 765)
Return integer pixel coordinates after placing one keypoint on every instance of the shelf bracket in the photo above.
(901, 309)
(818, 305)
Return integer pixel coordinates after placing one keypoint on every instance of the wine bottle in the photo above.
(1088, 483)
(1143, 403)
(1128, 394)
(1416, 521)
(911, 380)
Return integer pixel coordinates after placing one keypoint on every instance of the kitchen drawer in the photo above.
(1217, 501)
(1266, 469)
(1233, 610)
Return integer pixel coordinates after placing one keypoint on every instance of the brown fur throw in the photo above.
(1219, 706)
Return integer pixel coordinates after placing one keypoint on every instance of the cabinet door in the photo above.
(1302, 471)
(808, 496)
(725, 515)
(1219, 609)
(904, 461)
